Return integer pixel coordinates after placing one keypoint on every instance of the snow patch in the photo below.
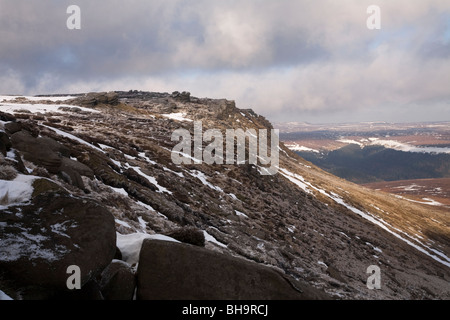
(296, 147)
(349, 141)
(39, 108)
(151, 179)
(210, 238)
(17, 191)
(120, 190)
(399, 146)
(201, 176)
(177, 116)
(31, 98)
(240, 214)
(130, 244)
(72, 137)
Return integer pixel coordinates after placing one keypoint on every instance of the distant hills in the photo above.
(377, 163)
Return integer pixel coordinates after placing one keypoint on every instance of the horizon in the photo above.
(318, 62)
(273, 122)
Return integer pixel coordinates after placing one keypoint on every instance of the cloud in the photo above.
(312, 60)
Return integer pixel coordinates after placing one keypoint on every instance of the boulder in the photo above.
(53, 156)
(118, 281)
(42, 239)
(177, 271)
(94, 98)
(182, 97)
(37, 150)
(13, 127)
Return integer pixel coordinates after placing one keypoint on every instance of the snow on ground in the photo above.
(30, 98)
(19, 190)
(300, 182)
(428, 201)
(130, 244)
(123, 223)
(38, 107)
(240, 214)
(413, 187)
(180, 174)
(150, 208)
(120, 190)
(296, 147)
(30, 245)
(210, 238)
(407, 147)
(201, 176)
(143, 155)
(142, 223)
(233, 196)
(177, 116)
(151, 179)
(296, 179)
(322, 263)
(72, 137)
(349, 141)
(185, 155)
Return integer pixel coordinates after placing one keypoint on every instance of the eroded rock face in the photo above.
(175, 271)
(42, 239)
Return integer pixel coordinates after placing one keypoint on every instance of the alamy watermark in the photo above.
(74, 280)
(213, 153)
(74, 20)
(374, 20)
(374, 280)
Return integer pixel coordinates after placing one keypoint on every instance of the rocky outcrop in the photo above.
(95, 98)
(177, 271)
(182, 97)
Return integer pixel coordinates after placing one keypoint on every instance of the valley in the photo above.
(407, 159)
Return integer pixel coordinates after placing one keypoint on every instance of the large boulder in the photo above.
(41, 151)
(55, 230)
(52, 155)
(177, 271)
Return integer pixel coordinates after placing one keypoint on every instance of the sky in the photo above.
(288, 60)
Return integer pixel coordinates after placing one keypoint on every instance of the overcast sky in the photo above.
(289, 60)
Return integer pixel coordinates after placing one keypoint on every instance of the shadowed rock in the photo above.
(176, 271)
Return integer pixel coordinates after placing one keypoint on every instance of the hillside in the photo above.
(112, 151)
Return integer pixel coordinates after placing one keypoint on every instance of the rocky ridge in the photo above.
(99, 165)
